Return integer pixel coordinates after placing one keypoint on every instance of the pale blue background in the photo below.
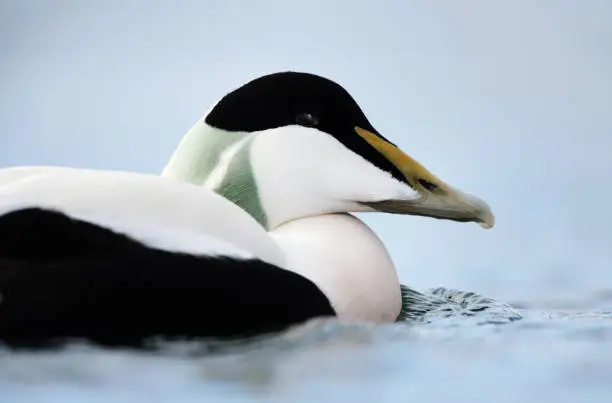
(510, 100)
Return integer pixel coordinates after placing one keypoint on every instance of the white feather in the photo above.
(160, 212)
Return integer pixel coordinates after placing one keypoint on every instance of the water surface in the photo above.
(561, 355)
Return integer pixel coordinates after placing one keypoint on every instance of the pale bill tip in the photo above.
(487, 220)
(480, 210)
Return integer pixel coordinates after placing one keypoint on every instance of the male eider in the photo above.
(246, 232)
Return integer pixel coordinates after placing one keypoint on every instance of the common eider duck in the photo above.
(247, 231)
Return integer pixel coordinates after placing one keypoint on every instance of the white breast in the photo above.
(160, 212)
(347, 261)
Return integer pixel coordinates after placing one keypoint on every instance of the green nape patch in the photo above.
(239, 185)
(211, 155)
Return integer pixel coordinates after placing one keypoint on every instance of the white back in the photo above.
(160, 212)
(347, 261)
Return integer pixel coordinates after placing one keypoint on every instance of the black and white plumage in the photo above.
(63, 277)
(261, 187)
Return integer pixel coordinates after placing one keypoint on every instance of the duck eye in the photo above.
(428, 185)
(306, 119)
